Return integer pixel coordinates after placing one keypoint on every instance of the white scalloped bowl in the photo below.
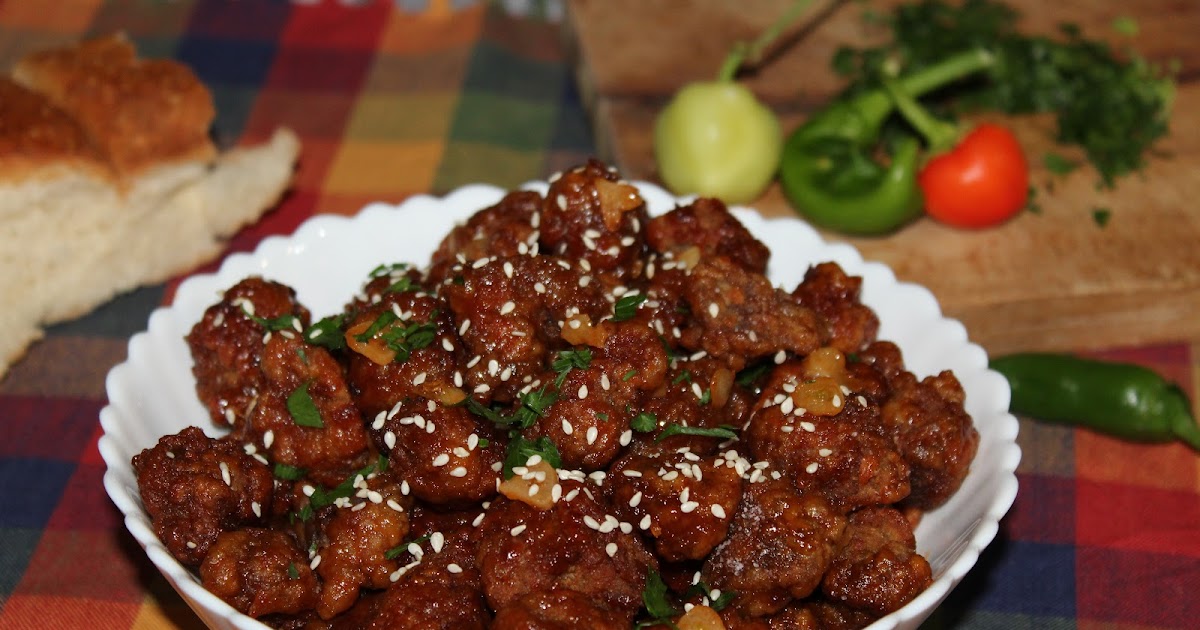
(152, 393)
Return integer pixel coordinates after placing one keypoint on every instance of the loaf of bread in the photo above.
(109, 180)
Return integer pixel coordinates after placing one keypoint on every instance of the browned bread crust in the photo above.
(35, 135)
(138, 113)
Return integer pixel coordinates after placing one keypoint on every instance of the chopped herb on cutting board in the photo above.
(1112, 104)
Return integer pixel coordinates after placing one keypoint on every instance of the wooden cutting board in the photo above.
(1054, 280)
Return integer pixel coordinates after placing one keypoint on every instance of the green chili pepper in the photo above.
(827, 171)
(1124, 400)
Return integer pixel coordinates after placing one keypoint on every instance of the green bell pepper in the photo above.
(827, 171)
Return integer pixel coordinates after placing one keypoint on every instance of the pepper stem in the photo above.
(874, 106)
(752, 51)
(939, 134)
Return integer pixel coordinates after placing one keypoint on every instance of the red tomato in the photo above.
(982, 182)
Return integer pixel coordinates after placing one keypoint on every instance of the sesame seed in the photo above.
(453, 568)
(645, 522)
(717, 510)
(458, 472)
(591, 522)
(478, 519)
(811, 468)
(518, 530)
(592, 434)
(824, 452)
(389, 439)
(611, 549)
(441, 460)
(436, 540)
(394, 505)
(316, 561)
(256, 508)
(404, 489)
(631, 473)
(787, 405)
(635, 499)
(808, 426)
(780, 357)
(472, 441)
(225, 474)
(566, 427)
(534, 489)
(374, 497)
(583, 392)
(419, 379)
(380, 419)
(561, 202)
(191, 545)
(713, 309)
(626, 437)
(447, 344)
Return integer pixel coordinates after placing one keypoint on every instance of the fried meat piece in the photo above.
(440, 590)
(780, 546)
(835, 296)
(504, 230)
(557, 609)
(933, 433)
(576, 545)
(227, 344)
(438, 450)
(685, 501)
(260, 572)
(194, 487)
(355, 541)
(411, 350)
(591, 217)
(699, 391)
(738, 316)
(708, 225)
(599, 391)
(328, 439)
(831, 615)
(510, 313)
(840, 455)
(877, 568)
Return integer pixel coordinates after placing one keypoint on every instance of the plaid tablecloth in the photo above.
(397, 98)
